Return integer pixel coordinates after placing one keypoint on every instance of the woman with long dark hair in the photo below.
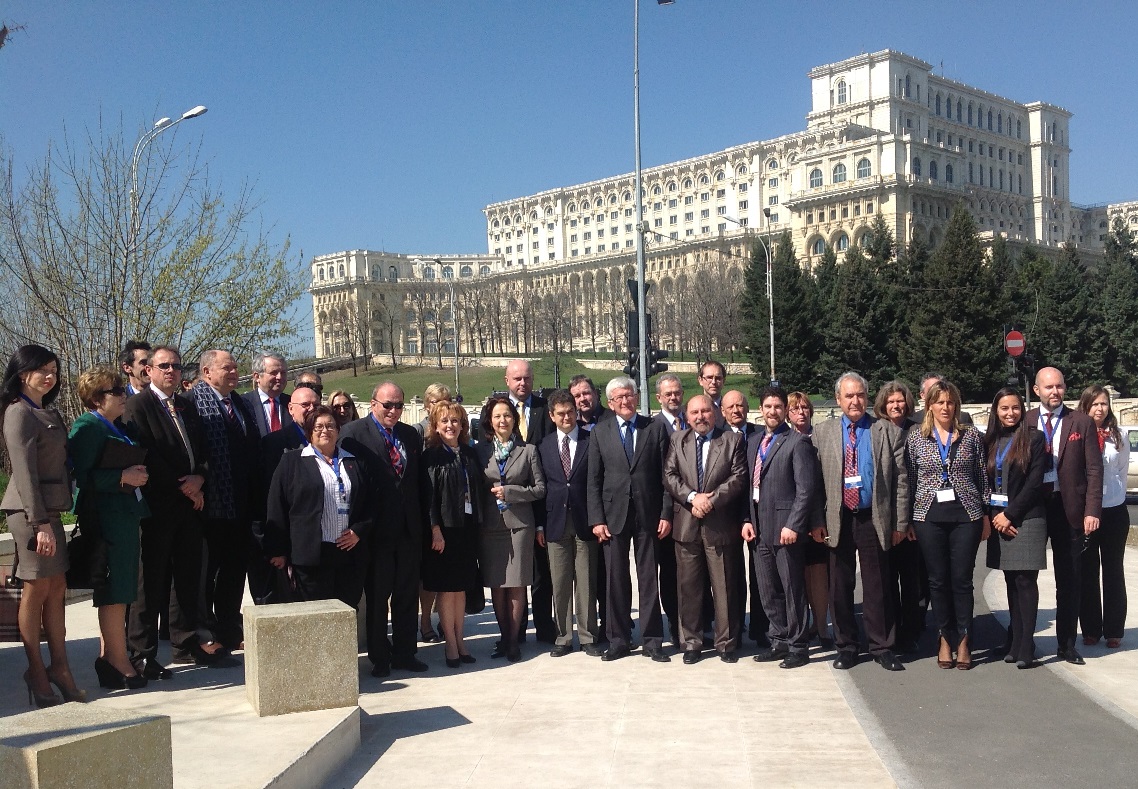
(1106, 615)
(39, 489)
(1017, 459)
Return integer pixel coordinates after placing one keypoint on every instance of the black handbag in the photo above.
(85, 554)
(476, 595)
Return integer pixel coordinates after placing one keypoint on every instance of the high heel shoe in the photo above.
(453, 662)
(944, 653)
(467, 658)
(69, 694)
(50, 700)
(113, 679)
(963, 654)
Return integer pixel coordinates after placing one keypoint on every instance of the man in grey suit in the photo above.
(865, 482)
(783, 468)
(704, 473)
(628, 506)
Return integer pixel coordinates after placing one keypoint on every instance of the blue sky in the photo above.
(391, 124)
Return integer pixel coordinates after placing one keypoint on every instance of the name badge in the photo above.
(1051, 476)
(467, 508)
(946, 494)
(999, 500)
(854, 481)
(755, 494)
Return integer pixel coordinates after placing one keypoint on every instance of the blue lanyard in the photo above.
(111, 426)
(774, 437)
(1000, 463)
(1048, 430)
(300, 430)
(388, 435)
(943, 449)
(502, 470)
(335, 464)
(29, 401)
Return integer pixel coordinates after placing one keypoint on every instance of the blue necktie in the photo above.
(626, 439)
(699, 442)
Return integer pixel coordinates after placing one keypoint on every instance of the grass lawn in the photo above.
(478, 382)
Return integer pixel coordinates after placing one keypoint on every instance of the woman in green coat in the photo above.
(109, 504)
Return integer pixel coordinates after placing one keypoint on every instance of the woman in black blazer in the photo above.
(319, 509)
(1017, 545)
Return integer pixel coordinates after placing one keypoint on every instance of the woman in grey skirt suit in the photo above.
(1016, 461)
(38, 490)
(512, 479)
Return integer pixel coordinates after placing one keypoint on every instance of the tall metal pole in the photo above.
(641, 287)
(770, 290)
(454, 335)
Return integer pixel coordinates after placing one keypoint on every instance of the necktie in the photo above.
(170, 409)
(566, 463)
(763, 447)
(681, 422)
(1050, 434)
(393, 455)
(849, 469)
(274, 416)
(699, 442)
(627, 440)
(523, 428)
(228, 408)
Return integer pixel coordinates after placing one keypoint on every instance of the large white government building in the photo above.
(885, 135)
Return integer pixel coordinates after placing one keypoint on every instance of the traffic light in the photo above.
(654, 357)
(632, 369)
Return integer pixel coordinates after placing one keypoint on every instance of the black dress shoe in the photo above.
(616, 653)
(845, 660)
(729, 657)
(888, 661)
(770, 655)
(691, 656)
(593, 650)
(561, 650)
(152, 669)
(468, 658)
(381, 670)
(794, 660)
(411, 663)
(453, 662)
(657, 654)
(1072, 656)
(217, 659)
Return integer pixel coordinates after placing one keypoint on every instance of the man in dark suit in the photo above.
(393, 453)
(533, 425)
(267, 401)
(1072, 485)
(566, 534)
(588, 402)
(132, 363)
(865, 482)
(705, 475)
(232, 463)
(628, 506)
(262, 575)
(783, 468)
(670, 396)
(166, 425)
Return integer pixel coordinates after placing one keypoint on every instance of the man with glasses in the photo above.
(166, 424)
(393, 452)
(712, 375)
(267, 401)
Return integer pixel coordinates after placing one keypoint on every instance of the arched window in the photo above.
(612, 199)
(703, 180)
(429, 272)
(932, 170)
(839, 173)
(938, 104)
(772, 164)
(1019, 129)
(1000, 123)
(948, 173)
(548, 211)
(320, 273)
(393, 274)
(466, 271)
(815, 178)
(842, 91)
(584, 205)
(484, 271)
(864, 170)
(341, 269)
(989, 120)
(506, 221)
(656, 189)
(843, 243)
(741, 170)
(819, 246)
(959, 110)
(969, 113)
(626, 196)
(687, 183)
(719, 176)
(671, 186)
(495, 225)
(917, 166)
(448, 272)
(865, 240)
(908, 87)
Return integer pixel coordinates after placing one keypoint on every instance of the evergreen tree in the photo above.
(856, 335)
(1068, 333)
(1116, 283)
(825, 282)
(956, 329)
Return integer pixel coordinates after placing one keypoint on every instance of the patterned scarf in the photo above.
(502, 451)
(219, 479)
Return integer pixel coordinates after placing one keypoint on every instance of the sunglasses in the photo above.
(343, 407)
(169, 366)
(391, 406)
(117, 391)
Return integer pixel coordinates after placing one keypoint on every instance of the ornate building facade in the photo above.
(885, 135)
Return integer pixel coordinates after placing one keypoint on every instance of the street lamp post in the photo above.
(766, 243)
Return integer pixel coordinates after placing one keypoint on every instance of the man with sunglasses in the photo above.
(268, 400)
(392, 452)
(166, 424)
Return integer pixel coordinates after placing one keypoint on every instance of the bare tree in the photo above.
(388, 316)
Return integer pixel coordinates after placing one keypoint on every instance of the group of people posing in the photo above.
(191, 493)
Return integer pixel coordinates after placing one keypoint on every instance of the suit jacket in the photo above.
(891, 506)
(667, 423)
(400, 497)
(724, 480)
(602, 413)
(748, 430)
(149, 424)
(296, 503)
(565, 497)
(524, 484)
(790, 481)
(253, 401)
(272, 449)
(448, 477)
(233, 456)
(37, 447)
(101, 499)
(1080, 465)
(615, 488)
(1024, 487)
(539, 424)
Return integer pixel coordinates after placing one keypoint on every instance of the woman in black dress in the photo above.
(452, 490)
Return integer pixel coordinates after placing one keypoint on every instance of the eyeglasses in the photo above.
(117, 391)
(342, 407)
(169, 366)
(390, 406)
(324, 428)
(619, 397)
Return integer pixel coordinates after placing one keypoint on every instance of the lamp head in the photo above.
(195, 112)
